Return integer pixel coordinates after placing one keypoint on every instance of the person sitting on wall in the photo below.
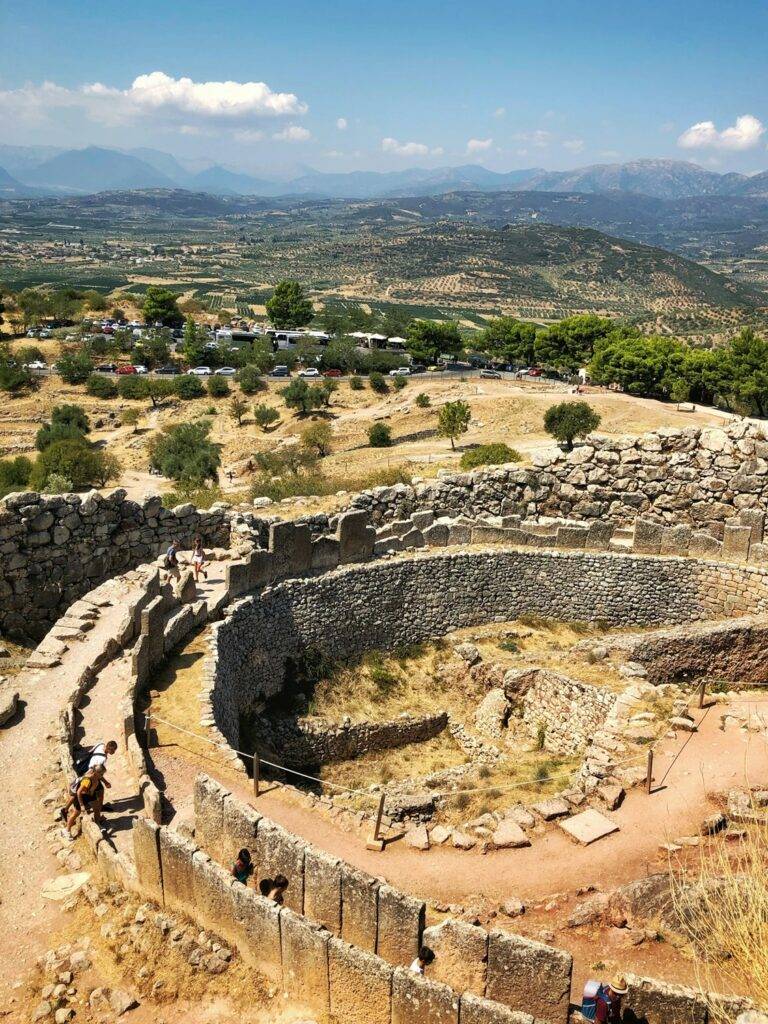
(274, 888)
(423, 960)
(242, 869)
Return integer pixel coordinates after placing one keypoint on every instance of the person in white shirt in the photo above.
(100, 753)
(423, 960)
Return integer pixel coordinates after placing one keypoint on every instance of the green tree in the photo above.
(193, 343)
(161, 307)
(570, 343)
(99, 386)
(28, 354)
(509, 340)
(294, 459)
(133, 386)
(379, 435)
(186, 454)
(130, 418)
(250, 380)
(14, 474)
(237, 409)
(289, 307)
(33, 306)
(301, 397)
(95, 300)
(158, 389)
(74, 460)
(749, 359)
(356, 383)
(453, 420)
(399, 383)
(318, 437)
(264, 415)
(14, 378)
(327, 388)
(259, 354)
(218, 386)
(378, 383)
(568, 420)
(154, 348)
(188, 387)
(427, 340)
(68, 422)
(75, 367)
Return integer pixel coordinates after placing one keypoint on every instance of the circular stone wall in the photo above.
(383, 605)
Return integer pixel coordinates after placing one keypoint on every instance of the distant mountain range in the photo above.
(30, 171)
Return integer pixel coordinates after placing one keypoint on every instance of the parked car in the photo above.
(491, 374)
(418, 368)
(106, 368)
(332, 373)
(200, 371)
(226, 371)
(45, 333)
(125, 368)
(400, 371)
(311, 371)
(168, 370)
(280, 371)
(140, 368)
(38, 364)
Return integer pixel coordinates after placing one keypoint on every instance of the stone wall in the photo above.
(309, 742)
(568, 713)
(701, 477)
(55, 548)
(394, 603)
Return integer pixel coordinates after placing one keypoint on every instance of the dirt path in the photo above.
(26, 863)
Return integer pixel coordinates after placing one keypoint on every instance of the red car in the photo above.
(126, 368)
(332, 373)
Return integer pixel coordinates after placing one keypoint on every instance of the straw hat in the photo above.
(619, 985)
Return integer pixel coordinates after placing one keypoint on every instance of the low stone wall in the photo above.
(568, 714)
(55, 548)
(307, 742)
(394, 603)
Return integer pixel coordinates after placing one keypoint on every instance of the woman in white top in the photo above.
(198, 558)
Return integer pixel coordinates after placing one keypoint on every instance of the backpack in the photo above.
(593, 990)
(83, 763)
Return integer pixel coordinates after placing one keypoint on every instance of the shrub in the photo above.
(14, 378)
(318, 437)
(356, 383)
(76, 461)
(237, 409)
(75, 367)
(130, 418)
(489, 455)
(398, 383)
(265, 415)
(378, 383)
(187, 387)
(379, 435)
(185, 453)
(68, 423)
(100, 386)
(250, 380)
(133, 387)
(14, 474)
(218, 387)
(568, 420)
(423, 400)
(58, 484)
(201, 497)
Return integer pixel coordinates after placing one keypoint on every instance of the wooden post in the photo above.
(702, 688)
(649, 775)
(256, 773)
(376, 842)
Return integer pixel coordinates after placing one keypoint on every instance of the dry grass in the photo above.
(724, 917)
(384, 766)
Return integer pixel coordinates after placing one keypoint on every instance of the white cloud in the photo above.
(155, 97)
(390, 145)
(293, 133)
(573, 145)
(342, 123)
(249, 135)
(539, 139)
(743, 134)
(478, 145)
(500, 112)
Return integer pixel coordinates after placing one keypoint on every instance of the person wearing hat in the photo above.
(609, 1001)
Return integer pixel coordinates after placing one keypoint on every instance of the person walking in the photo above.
(171, 561)
(88, 794)
(198, 558)
(97, 755)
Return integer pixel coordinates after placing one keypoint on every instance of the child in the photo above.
(242, 869)
(423, 960)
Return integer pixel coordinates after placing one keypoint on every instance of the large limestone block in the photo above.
(356, 537)
(239, 828)
(599, 535)
(571, 537)
(176, 860)
(359, 895)
(237, 575)
(736, 541)
(754, 518)
(360, 985)
(261, 568)
(475, 1010)
(280, 853)
(146, 855)
(676, 540)
(461, 955)
(704, 545)
(291, 546)
(647, 539)
(659, 1002)
(209, 817)
(326, 552)
(214, 903)
(417, 1000)
(322, 889)
(257, 921)
(305, 962)
(524, 974)
(399, 927)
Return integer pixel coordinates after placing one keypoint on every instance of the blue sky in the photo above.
(555, 83)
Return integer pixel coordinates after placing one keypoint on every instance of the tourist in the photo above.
(608, 1010)
(422, 961)
(171, 561)
(198, 558)
(97, 755)
(88, 794)
(242, 869)
(274, 888)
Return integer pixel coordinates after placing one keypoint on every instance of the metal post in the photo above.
(702, 688)
(649, 775)
(256, 773)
